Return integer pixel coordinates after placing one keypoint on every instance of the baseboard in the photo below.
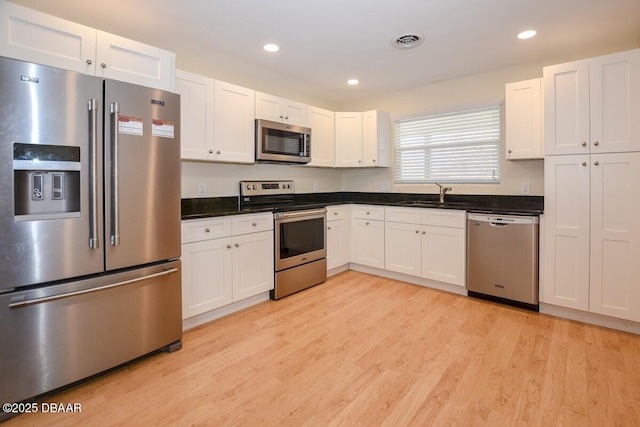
(591, 318)
(209, 316)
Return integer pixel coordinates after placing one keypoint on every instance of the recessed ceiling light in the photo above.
(527, 34)
(352, 82)
(271, 47)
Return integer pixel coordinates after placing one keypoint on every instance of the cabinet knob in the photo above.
(229, 246)
(509, 151)
(417, 231)
(328, 228)
(424, 232)
(368, 213)
(103, 65)
(374, 160)
(366, 223)
(596, 163)
(596, 143)
(89, 62)
(237, 245)
(255, 224)
(207, 229)
(281, 116)
(218, 152)
(286, 117)
(210, 151)
(584, 163)
(335, 213)
(584, 144)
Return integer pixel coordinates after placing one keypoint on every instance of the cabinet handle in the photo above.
(207, 229)
(229, 246)
(509, 151)
(237, 245)
(103, 65)
(210, 151)
(335, 213)
(218, 152)
(281, 116)
(374, 160)
(328, 228)
(596, 163)
(367, 213)
(584, 144)
(89, 62)
(424, 232)
(584, 163)
(417, 231)
(286, 117)
(366, 223)
(596, 143)
(255, 224)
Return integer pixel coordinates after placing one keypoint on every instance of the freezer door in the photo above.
(142, 178)
(60, 334)
(50, 153)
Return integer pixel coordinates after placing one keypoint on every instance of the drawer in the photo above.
(205, 229)
(335, 212)
(368, 212)
(244, 224)
(403, 215)
(444, 217)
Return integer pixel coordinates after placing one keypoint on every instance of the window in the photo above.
(453, 147)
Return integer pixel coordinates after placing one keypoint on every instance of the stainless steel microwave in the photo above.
(281, 142)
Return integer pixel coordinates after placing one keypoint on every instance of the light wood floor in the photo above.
(361, 350)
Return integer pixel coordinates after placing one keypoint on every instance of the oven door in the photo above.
(300, 237)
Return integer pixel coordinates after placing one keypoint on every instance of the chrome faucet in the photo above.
(443, 191)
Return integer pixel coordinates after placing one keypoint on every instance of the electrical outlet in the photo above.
(202, 189)
(385, 186)
(315, 186)
(525, 188)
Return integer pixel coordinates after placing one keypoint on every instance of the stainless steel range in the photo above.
(300, 235)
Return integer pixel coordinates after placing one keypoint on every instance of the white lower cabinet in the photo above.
(225, 260)
(338, 236)
(367, 235)
(592, 234)
(428, 243)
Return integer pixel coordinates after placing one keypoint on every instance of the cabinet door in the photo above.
(130, 61)
(295, 113)
(566, 240)
(337, 245)
(523, 105)
(32, 36)
(206, 276)
(233, 121)
(367, 242)
(615, 102)
(253, 264)
(348, 139)
(402, 248)
(268, 107)
(444, 254)
(566, 108)
(615, 235)
(323, 137)
(375, 139)
(196, 115)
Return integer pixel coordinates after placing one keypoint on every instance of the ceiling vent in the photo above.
(407, 41)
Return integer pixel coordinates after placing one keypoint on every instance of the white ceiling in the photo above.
(325, 42)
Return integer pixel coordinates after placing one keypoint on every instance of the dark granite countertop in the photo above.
(198, 208)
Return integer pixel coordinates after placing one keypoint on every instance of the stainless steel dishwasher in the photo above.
(502, 258)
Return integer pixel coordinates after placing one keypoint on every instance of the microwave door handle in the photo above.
(115, 221)
(94, 241)
(305, 139)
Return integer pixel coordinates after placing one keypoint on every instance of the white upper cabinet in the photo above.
(591, 106)
(348, 139)
(130, 61)
(322, 126)
(376, 138)
(523, 104)
(233, 123)
(196, 115)
(363, 139)
(33, 36)
(281, 110)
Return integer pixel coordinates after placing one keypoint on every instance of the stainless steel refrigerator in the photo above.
(89, 226)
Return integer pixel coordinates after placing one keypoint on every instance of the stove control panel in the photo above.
(266, 188)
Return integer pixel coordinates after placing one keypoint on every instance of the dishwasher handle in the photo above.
(503, 220)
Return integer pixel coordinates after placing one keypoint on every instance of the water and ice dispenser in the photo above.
(46, 181)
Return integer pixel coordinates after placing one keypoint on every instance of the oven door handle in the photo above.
(298, 214)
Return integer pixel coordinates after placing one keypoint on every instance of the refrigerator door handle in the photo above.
(25, 303)
(115, 221)
(94, 240)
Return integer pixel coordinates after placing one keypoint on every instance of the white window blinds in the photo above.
(453, 147)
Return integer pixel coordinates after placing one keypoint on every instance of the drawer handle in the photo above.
(255, 224)
(229, 246)
(207, 229)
